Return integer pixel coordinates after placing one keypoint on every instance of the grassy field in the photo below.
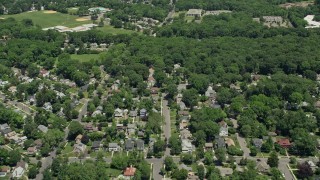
(48, 20)
(112, 30)
(85, 57)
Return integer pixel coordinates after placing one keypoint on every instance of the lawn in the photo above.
(112, 30)
(173, 121)
(113, 172)
(67, 149)
(48, 20)
(85, 57)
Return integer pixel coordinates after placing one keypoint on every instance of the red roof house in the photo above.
(284, 142)
(129, 171)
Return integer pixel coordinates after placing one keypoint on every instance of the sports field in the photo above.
(49, 18)
(85, 57)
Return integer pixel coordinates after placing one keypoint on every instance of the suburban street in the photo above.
(46, 162)
(243, 145)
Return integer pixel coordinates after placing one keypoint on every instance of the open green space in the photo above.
(113, 172)
(85, 57)
(112, 30)
(48, 19)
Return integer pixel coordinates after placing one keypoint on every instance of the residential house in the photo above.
(47, 106)
(183, 124)
(96, 145)
(133, 114)
(131, 129)
(229, 142)
(79, 148)
(262, 167)
(43, 128)
(129, 172)
(114, 147)
(217, 12)
(194, 12)
(118, 113)
(223, 128)
(179, 98)
(272, 19)
(38, 143)
(140, 134)
(210, 93)
(18, 172)
(184, 114)
(89, 128)
(129, 145)
(32, 150)
(182, 105)
(185, 134)
(44, 73)
(312, 165)
(257, 143)
(208, 146)
(78, 138)
(140, 145)
(143, 113)
(13, 89)
(5, 129)
(225, 171)
(219, 142)
(4, 170)
(186, 146)
(284, 142)
(183, 166)
(151, 81)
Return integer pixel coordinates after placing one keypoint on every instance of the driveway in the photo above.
(243, 145)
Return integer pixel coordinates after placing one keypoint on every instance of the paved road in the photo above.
(243, 145)
(83, 110)
(46, 162)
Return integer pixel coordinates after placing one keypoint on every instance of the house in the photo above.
(223, 129)
(47, 106)
(78, 138)
(311, 164)
(182, 106)
(79, 148)
(143, 113)
(18, 172)
(140, 134)
(151, 81)
(129, 145)
(133, 113)
(129, 172)
(219, 142)
(5, 129)
(120, 127)
(208, 146)
(96, 145)
(113, 147)
(118, 113)
(183, 166)
(185, 134)
(38, 143)
(225, 171)
(272, 19)
(183, 124)
(179, 98)
(186, 146)
(131, 129)
(210, 93)
(13, 89)
(217, 12)
(4, 170)
(89, 128)
(257, 143)
(194, 12)
(44, 73)
(43, 128)
(284, 142)
(229, 142)
(140, 144)
(154, 90)
(32, 150)
(262, 167)
(183, 114)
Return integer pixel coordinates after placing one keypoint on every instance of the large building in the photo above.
(194, 12)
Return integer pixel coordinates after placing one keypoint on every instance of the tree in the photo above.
(180, 174)
(33, 171)
(33, 70)
(220, 155)
(276, 174)
(253, 151)
(169, 164)
(208, 158)
(190, 97)
(175, 145)
(119, 162)
(273, 159)
(187, 159)
(201, 172)
(304, 171)
(14, 156)
(75, 128)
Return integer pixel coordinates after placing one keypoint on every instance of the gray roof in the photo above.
(129, 144)
(140, 144)
(220, 142)
(257, 142)
(96, 144)
(43, 128)
(6, 131)
(113, 145)
(183, 166)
